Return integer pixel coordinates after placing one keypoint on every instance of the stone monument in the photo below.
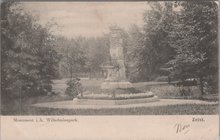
(116, 89)
(116, 76)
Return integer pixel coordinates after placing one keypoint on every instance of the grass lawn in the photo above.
(162, 110)
(23, 107)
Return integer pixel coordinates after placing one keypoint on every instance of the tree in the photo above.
(152, 50)
(135, 43)
(28, 56)
(73, 57)
(194, 38)
(97, 54)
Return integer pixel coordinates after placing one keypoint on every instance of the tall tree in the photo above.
(73, 56)
(152, 48)
(28, 56)
(135, 44)
(194, 38)
(97, 54)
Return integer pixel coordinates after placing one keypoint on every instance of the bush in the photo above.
(176, 92)
(74, 88)
(211, 85)
(165, 91)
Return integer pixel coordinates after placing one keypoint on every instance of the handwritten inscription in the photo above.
(182, 128)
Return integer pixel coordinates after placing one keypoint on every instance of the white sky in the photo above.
(87, 18)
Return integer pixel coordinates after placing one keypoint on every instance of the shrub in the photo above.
(176, 92)
(74, 87)
(165, 91)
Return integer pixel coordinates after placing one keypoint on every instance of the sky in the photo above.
(88, 19)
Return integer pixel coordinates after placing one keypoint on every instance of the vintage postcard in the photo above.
(137, 70)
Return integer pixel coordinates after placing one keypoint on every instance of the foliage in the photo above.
(178, 39)
(194, 38)
(132, 50)
(74, 88)
(151, 49)
(82, 55)
(28, 57)
(176, 92)
(74, 58)
(97, 53)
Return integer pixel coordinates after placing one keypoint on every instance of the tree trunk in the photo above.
(201, 85)
(71, 73)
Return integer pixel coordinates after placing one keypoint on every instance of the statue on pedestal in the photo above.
(116, 77)
(116, 89)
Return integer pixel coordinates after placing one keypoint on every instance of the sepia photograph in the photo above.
(109, 58)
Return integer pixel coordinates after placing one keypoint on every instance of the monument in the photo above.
(116, 77)
(116, 89)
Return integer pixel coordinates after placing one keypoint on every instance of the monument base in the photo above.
(115, 85)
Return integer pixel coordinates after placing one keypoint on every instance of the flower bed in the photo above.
(117, 96)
